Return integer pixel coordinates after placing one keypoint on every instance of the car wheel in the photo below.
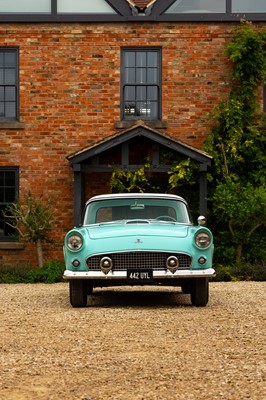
(200, 292)
(78, 293)
(89, 289)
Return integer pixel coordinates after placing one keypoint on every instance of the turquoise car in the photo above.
(138, 239)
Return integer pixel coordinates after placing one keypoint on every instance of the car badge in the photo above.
(138, 241)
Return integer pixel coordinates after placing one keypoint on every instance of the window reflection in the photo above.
(25, 6)
(248, 6)
(84, 6)
(197, 6)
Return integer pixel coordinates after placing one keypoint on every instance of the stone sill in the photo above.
(11, 246)
(12, 125)
(152, 124)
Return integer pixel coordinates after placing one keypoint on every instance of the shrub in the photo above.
(51, 272)
(240, 272)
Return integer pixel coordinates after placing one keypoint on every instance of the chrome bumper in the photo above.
(201, 273)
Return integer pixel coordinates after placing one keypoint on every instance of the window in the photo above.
(248, 6)
(198, 6)
(25, 6)
(141, 83)
(84, 6)
(8, 84)
(8, 193)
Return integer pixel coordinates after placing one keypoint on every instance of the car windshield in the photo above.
(110, 210)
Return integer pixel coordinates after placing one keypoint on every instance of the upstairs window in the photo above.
(84, 6)
(25, 6)
(198, 6)
(8, 84)
(8, 194)
(248, 6)
(141, 83)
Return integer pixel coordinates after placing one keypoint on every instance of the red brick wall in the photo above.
(70, 98)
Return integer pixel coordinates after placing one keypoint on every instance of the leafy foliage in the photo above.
(51, 272)
(183, 172)
(131, 181)
(237, 144)
(32, 221)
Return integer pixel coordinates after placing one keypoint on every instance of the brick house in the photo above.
(88, 84)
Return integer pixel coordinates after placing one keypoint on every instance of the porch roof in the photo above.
(140, 129)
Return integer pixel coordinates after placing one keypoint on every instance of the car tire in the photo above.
(200, 292)
(89, 289)
(78, 293)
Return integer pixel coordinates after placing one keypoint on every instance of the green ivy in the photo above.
(237, 144)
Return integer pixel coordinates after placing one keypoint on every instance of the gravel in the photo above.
(132, 343)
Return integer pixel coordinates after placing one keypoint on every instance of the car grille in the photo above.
(141, 259)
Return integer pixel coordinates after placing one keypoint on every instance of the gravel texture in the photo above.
(132, 343)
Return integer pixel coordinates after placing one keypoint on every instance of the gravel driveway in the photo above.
(133, 343)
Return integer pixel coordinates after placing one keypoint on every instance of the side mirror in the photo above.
(201, 220)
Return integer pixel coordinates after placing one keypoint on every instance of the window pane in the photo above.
(10, 178)
(129, 93)
(10, 76)
(2, 94)
(129, 59)
(25, 6)
(152, 93)
(141, 59)
(10, 195)
(154, 110)
(2, 195)
(130, 75)
(141, 75)
(1, 60)
(10, 94)
(10, 110)
(142, 109)
(152, 75)
(1, 76)
(10, 60)
(152, 59)
(254, 6)
(2, 178)
(130, 109)
(84, 6)
(141, 93)
(197, 6)
(2, 109)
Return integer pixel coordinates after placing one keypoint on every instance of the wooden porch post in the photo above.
(78, 193)
(203, 189)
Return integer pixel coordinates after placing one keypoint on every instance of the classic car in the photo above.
(138, 239)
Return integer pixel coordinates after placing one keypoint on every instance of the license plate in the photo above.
(140, 275)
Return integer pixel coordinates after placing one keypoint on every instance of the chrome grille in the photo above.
(139, 259)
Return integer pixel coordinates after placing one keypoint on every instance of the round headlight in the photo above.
(74, 242)
(202, 239)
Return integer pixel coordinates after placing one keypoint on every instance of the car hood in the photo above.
(137, 229)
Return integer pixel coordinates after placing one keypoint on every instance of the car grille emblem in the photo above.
(138, 241)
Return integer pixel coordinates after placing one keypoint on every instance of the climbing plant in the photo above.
(182, 172)
(237, 144)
